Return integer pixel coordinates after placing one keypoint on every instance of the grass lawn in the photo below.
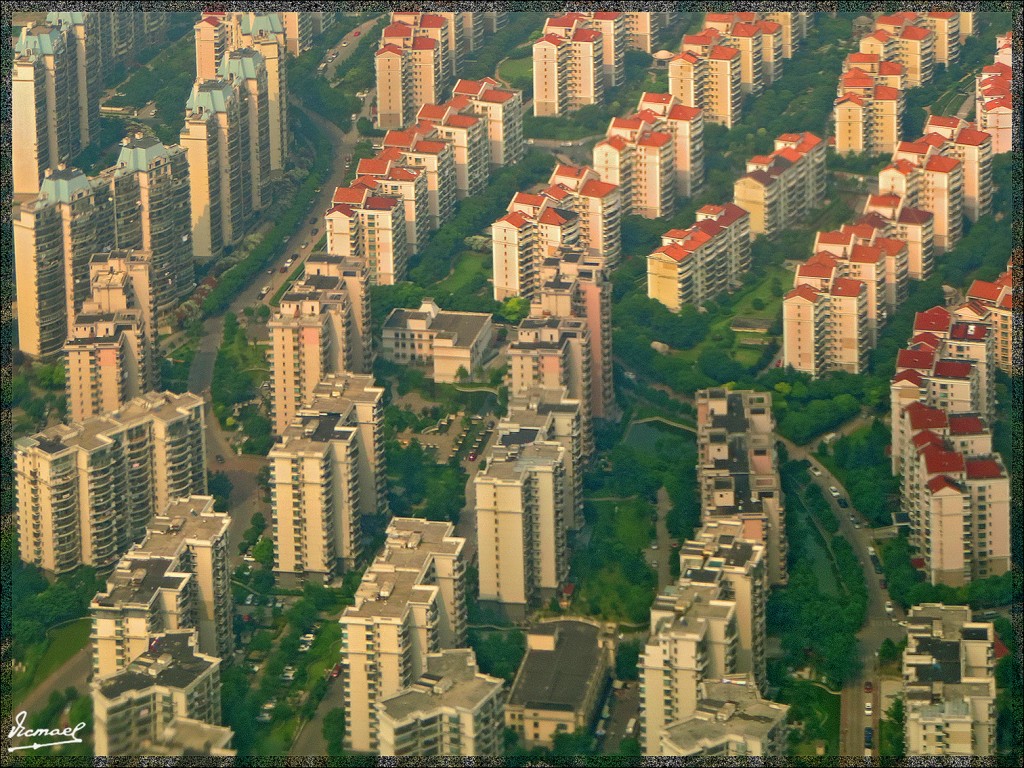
(818, 710)
(469, 265)
(61, 644)
(518, 73)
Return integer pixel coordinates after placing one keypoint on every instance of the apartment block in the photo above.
(928, 178)
(639, 157)
(687, 78)
(220, 33)
(523, 514)
(550, 415)
(731, 719)
(955, 490)
(82, 30)
(861, 250)
(720, 553)
(945, 25)
(993, 103)
(177, 577)
(686, 124)
(327, 473)
(56, 233)
(793, 28)
(422, 148)
(643, 30)
(997, 298)
(828, 329)
(914, 226)
(502, 110)
(113, 348)
(216, 140)
(693, 638)
(87, 490)
(949, 686)
(386, 177)
(370, 230)
(568, 66)
(454, 344)
(805, 318)
(298, 30)
(161, 702)
(555, 353)
(913, 43)
(453, 709)
(410, 603)
(870, 104)
(560, 682)
(468, 137)
(973, 148)
(152, 209)
(598, 206)
(414, 65)
(737, 470)
(574, 284)
(708, 75)
(695, 264)
(320, 328)
(781, 189)
(45, 100)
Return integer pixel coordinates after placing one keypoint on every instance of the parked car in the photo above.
(834, 491)
(868, 687)
(220, 459)
(606, 712)
(815, 471)
(472, 456)
(335, 671)
(305, 244)
(283, 270)
(357, 33)
(313, 220)
(314, 230)
(869, 735)
(654, 545)
(868, 709)
(889, 608)
(344, 43)
(843, 503)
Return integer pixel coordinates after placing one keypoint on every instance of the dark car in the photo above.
(868, 687)
(472, 456)
(869, 735)
(313, 220)
(314, 231)
(220, 459)
(843, 503)
(283, 270)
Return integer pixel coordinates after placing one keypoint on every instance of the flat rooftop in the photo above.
(138, 580)
(559, 679)
(450, 680)
(172, 661)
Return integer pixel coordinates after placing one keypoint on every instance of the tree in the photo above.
(514, 309)
(627, 659)
(263, 552)
(333, 731)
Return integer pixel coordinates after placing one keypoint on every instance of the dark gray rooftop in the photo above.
(558, 679)
(171, 661)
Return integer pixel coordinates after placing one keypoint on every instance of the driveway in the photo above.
(310, 741)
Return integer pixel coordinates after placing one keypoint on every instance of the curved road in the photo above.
(878, 626)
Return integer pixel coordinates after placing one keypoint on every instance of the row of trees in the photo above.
(420, 487)
(860, 462)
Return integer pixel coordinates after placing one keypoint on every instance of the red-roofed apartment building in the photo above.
(569, 66)
(780, 189)
(639, 156)
(997, 298)
(467, 135)
(993, 97)
(414, 66)
(695, 264)
(912, 45)
(369, 228)
(973, 148)
(955, 490)
(502, 110)
(870, 104)
(686, 124)
(708, 75)
(420, 147)
(598, 205)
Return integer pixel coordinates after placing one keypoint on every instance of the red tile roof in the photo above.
(349, 196)
(984, 290)
(942, 164)
(909, 375)
(862, 58)
(655, 139)
(683, 112)
(969, 331)
(890, 68)
(972, 137)
(914, 216)
(983, 469)
(921, 359)
(834, 237)
(596, 188)
(926, 339)
(966, 425)
(398, 29)
(941, 483)
(497, 96)
(953, 369)
(655, 98)
(915, 33)
(886, 93)
(804, 291)
(942, 120)
(390, 48)
(723, 53)
(927, 437)
(938, 461)
(673, 251)
(934, 319)
(552, 217)
(516, 219)
(845, 286)
(586, 36)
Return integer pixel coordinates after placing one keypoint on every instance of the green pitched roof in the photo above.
(61, 185)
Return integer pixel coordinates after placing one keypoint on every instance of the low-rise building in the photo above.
(454, 344)
(949, 686)
(453, 709)
(559, 685)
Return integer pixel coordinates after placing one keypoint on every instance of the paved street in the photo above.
(74, 673)
(310, 740)
(878, 626)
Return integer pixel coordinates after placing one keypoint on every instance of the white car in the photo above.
(889, 607)
(815, 471)
(834, 491)
(868, 709)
